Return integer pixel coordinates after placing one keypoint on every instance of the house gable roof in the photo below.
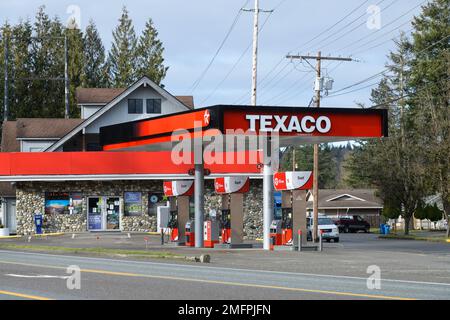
(9, 137)
(348, 198)
(145, 81)
(101, 96)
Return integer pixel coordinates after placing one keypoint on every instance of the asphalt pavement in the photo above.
(408, 270)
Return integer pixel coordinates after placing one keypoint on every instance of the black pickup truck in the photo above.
(352, 224)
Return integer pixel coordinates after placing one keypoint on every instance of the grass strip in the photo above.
(96, 251)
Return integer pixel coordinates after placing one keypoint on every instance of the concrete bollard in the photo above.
(300, 240)
(320, 241)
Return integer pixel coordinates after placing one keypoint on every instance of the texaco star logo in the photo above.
(206, 117)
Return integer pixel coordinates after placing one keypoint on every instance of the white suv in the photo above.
(329, 230)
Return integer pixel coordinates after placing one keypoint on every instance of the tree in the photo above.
(150, 55)
(304, 162)
(21, 69)
(430, 70)
(395, 164)
(94, 75)
(76, 65)
(122, 58)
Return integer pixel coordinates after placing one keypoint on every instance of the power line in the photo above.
(316, 37)
(358, 26)
(387, 68)
(235, 64)
(384, 26)
(227, 35)
(334, 25)
(319, 44)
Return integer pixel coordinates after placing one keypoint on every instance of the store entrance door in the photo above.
(103, 213)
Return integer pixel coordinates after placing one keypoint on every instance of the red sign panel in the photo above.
(313, 123)
(299, 180)
(224, 185)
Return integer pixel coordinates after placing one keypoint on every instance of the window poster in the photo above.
(63, 202)
(133, 204)
(76, 203)
(57, 203)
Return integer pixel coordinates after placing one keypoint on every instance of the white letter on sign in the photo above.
(266, 123)
(323, 124)
(280, 123)
(304, 127)
(294, 125)
(252, 119)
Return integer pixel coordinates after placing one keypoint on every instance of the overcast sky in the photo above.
(193, 30)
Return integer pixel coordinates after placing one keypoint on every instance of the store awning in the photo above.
(59, 166)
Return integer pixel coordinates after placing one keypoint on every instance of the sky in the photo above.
(192, 31)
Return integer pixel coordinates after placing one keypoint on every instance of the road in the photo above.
(25, 275)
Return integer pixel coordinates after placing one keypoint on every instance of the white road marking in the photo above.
(40, 276)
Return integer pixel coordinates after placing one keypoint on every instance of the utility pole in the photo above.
(255, 52)
(256, 10)
(318, 88)
(6, 107)
(267, 171)
(66, 78)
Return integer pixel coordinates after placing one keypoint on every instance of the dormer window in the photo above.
(135, 106)
(153, 105)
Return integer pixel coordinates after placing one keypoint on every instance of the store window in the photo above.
(135, 106)
(133, 204)
(155, 200)
(153, 105)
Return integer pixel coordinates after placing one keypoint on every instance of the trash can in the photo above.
(382, 228)
(38, 223)
(387, 229)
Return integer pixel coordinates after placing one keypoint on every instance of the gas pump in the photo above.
(178, 193)
(225, 224)
(293, 187)
(286, 226)
(275, 226)
(232, 190)
(190, 233)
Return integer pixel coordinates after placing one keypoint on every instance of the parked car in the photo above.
(352, 224)
(329, 230)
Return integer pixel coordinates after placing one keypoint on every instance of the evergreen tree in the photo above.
(150, 55)
(94, 74)
(122, 56)
(47, 51)
(304, 162)
(395, 164)
(21, 67)
(430, 82)
(76, 65)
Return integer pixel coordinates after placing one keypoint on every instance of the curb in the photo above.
(34, 235)
(414, 239)
(9, 237)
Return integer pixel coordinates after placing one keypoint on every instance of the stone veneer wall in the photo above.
(253, 217)
(31, 199)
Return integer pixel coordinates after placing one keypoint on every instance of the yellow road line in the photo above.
(229, 283)
(22, 295)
